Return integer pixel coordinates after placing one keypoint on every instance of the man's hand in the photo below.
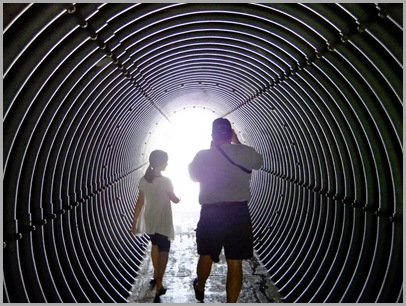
(234, 138)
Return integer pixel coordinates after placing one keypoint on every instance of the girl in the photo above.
(155, 194)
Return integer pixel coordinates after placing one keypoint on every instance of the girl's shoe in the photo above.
(152, 283)
(161, 291)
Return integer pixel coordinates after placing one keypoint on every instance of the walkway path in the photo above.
(181, 270)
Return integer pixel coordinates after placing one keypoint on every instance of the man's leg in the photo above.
(234, 279)
(203, 271)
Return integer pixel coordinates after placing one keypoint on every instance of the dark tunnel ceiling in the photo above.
(316, 88)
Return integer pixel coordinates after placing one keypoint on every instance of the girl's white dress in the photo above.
(157, 211)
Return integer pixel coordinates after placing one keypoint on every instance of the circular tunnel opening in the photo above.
(315, 87)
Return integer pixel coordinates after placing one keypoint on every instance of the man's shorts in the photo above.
(225, 225)
(161, 241)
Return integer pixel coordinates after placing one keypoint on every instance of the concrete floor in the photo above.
(181, 270)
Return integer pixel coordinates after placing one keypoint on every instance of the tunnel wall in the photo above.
(316, 88)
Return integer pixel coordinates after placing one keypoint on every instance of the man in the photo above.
(224, 173)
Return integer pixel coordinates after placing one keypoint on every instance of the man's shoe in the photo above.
(198, 294)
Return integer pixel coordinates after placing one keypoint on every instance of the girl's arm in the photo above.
(173, 197)
(137, 210)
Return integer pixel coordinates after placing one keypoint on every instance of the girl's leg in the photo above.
(155, 260)
(162, 262)
(160, 257)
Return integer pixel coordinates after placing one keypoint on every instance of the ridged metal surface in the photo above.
(316, 88)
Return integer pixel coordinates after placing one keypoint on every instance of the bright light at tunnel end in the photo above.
(188, 131)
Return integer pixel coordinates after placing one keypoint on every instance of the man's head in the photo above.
(221, 130)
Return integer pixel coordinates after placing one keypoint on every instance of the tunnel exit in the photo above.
(187, 132)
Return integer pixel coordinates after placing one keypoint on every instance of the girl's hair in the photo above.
(157, 158)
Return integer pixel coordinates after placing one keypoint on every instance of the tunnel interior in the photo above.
(314, 87)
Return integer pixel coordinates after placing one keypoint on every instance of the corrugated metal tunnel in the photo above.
(316, 88)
